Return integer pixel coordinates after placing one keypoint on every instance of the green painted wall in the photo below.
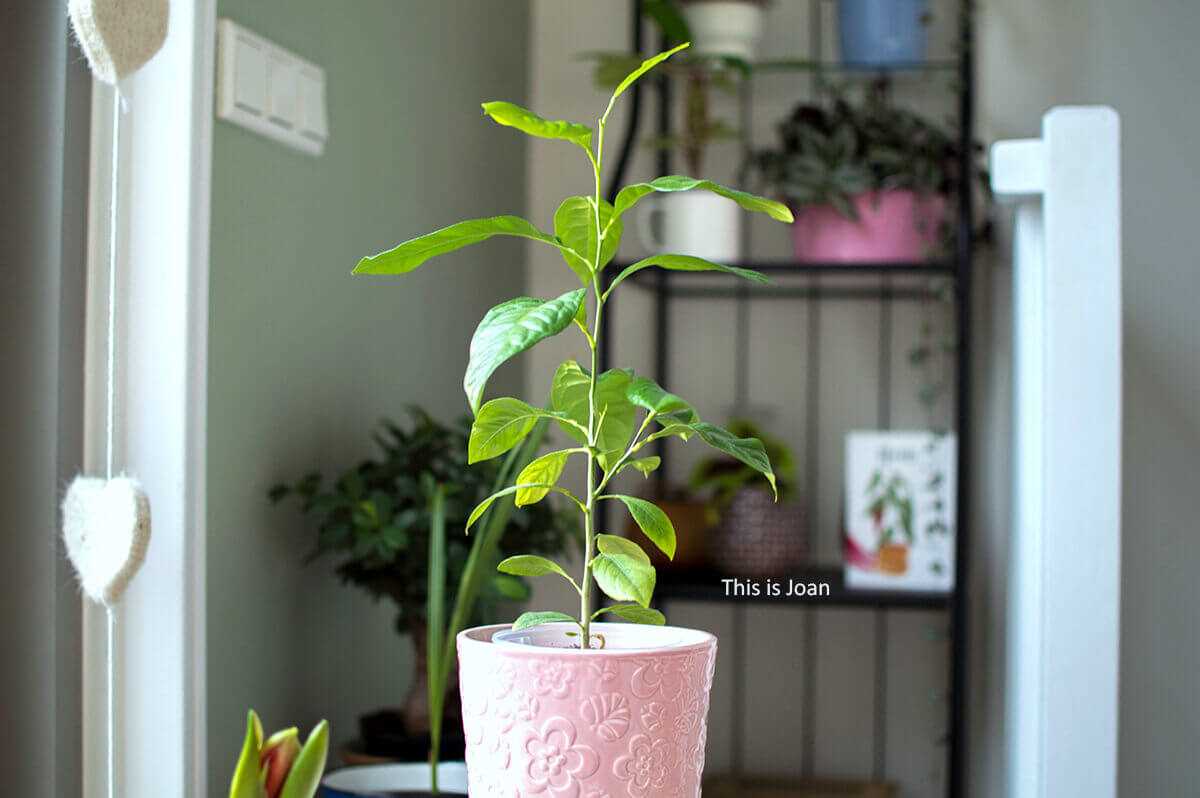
(304, 358)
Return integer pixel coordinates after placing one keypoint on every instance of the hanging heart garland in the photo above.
(106, 528)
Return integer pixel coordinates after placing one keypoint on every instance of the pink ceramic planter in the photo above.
(626, 721)
(893, 226)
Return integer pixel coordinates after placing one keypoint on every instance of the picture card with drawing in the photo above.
(900, 510)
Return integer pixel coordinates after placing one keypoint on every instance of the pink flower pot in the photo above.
(892, 226)
(629, 719)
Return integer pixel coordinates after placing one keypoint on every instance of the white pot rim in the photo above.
(386, 778)
(674, 640)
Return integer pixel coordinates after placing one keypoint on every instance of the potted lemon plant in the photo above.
(558, 702)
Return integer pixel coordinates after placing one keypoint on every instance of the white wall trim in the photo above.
(1065, 563)
(164, 174)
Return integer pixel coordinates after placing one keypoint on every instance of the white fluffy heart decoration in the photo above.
(106, 527)
(119, 36)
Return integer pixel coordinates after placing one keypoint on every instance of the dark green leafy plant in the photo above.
(828, 156)
(720, 477)
(599, 411)
(376, 517)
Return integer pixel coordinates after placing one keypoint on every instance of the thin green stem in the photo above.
(585, 607)
(634, 446)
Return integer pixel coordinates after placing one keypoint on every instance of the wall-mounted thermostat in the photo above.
(269, 90)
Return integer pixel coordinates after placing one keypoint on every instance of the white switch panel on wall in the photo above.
(269, 90)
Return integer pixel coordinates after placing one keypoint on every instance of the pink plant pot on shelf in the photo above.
(544, 718)
(892, 226)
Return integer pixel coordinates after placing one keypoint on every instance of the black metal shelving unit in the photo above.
(883, 283)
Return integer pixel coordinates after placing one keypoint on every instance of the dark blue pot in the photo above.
(882, 33)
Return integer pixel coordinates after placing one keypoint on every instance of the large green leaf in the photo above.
(633, 76)
(569, 395)
(528, 619)
(629, 196)
(624, 578)
(545, 470)
(645, 392)
(746, 450)
(526, 121)
(412, 253)
(509, 329)
(686, 263)
(653, 522)
(500, 425)
(615, 544)
(633, 613)
(531, 565)
(575, 226)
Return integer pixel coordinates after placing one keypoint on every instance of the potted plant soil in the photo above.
(869, 182)
(374, 519)
(753, 535)
(559, 703)
(879, 34)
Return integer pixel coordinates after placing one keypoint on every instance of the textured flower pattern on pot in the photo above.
(556, 762)
(646, 768)
(607, 715)
(552, 678)
(603, 725)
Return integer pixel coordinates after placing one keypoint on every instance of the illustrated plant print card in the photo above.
(900, 510)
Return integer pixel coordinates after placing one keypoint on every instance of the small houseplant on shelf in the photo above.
(557, 702)
(375, 520)
(869, 182)
(753, 535)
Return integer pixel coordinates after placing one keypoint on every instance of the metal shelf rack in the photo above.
(880, 282)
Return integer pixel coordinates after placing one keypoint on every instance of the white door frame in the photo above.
(1065, 556)
(164, 172)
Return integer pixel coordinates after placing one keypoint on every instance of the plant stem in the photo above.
(589, 524)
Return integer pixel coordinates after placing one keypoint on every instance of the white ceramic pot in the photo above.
(693, 223)
(725, 27)
(383, 780)
(543, 717)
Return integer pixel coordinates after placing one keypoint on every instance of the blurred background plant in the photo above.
(375, 519)
(828, 154)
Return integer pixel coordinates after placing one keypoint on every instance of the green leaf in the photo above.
(500, 425)
(575, 226)
(632, 77)
(545, 470)
(528, 619)
(645, 465)
(509, 329)
(510, 587)
(645, 392)
(305, 776)
(412, 253)
(245, 782)
(634, 614)
(683, 430)
(569, 396)
(653, 522)
(686, 263)
(624, 578)
(531, 565)
(483, 506)
(629, 196)
(435, 609)
(615, 544)
(746, 450)
(526, 121)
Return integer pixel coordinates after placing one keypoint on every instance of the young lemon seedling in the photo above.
(612, 416)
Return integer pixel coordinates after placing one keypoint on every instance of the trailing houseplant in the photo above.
(546, 701)
(868, 180)
(375, 520)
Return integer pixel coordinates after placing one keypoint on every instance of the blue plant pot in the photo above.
(376, 781)
(882, 33)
